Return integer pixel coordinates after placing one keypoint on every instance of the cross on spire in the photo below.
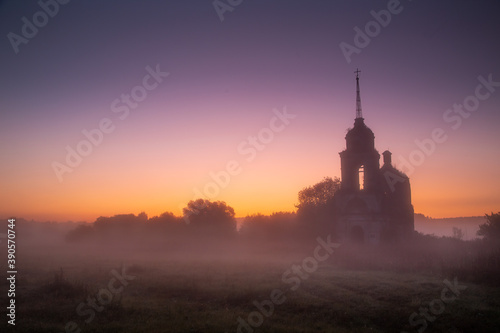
(359, 113)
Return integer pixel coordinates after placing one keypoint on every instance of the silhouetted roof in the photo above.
(360, 137)
(360, 130)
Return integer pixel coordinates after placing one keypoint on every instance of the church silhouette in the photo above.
(373, 204)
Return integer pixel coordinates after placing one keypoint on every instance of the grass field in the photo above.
(211, 294)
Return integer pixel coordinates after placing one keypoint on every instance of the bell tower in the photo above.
(373, 204)
(360, 159)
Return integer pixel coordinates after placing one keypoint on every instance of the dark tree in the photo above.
(166, 218)
(491, 229)
(81, 232)
(315, 208)
(210, 216)
(318, 194)
(167, 224)
(277, 226)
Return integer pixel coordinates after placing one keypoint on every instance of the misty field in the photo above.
(150, 293)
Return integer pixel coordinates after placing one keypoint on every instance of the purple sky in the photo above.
(225, 78)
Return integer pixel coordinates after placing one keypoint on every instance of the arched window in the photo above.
(361, 177)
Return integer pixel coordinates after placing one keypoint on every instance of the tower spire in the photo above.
(359, 113)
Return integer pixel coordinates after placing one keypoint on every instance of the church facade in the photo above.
(373, 204)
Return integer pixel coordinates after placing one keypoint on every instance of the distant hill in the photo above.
(444, 226)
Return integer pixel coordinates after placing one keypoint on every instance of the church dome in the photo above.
(360, 137)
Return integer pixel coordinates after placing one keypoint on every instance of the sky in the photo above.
(110, 107)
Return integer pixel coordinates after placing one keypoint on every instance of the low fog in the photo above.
(213, 233)
(207, 271)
